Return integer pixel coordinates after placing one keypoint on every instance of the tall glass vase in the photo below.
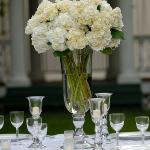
(77, 76)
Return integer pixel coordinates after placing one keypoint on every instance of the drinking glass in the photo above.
(97, 112)
(1, 121)
(42, 134)
(34, 126)
(142, 124)
(35, 105)
(105, 133)
(16, 119)
(117, 123)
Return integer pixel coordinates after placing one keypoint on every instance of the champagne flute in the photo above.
(16, 119)
(117, 123)
(142, 123)
(1, 121)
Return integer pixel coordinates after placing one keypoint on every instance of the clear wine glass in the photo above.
(1, 121)
(97, 112)
(16, 119)
(34, 126)
(142, 123)
(35, 105)
(42, 134)
(106, 96)
(117, 123)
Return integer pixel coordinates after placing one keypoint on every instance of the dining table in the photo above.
(127, 141)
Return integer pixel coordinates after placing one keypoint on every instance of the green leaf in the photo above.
(49, 43)
(116, 34)
(107, 51)
(99, 7)
(89, 28)
(61, 53)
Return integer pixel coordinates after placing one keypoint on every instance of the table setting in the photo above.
(101, 140)
(73, 31)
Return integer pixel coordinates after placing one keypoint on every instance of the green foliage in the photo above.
(89, 28)
(49, 43)
(61, 53)
(107, 51)
(116, 34)
(99, 7)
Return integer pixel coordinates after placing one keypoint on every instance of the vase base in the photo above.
(83, 145)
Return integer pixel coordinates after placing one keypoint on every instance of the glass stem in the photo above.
(105, 128)
(142, 138)
(98, 136)
(78, 121)
(17, 132)
(117, 138)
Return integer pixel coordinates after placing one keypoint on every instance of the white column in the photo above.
(19, 75)
(127, 73)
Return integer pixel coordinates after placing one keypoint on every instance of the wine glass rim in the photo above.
(44, 124)
(103, 94)
(142, 117)
(28, 119)
(33, 118)
(35, 97)
(97, 99)
(115, 114)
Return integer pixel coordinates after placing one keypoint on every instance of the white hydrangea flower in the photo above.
(84, 13)
(114, 43)
(117, 18)
(39, 38)
(42, 6)
(32, 23)
(89, 14)
(93, 2)
(58, 35)
(50, 12)
(105, 6)
(76, 39)
(76, 9)
(63, 5)
(103, 22)
(64, 20)
(59, 46)
(99, 40)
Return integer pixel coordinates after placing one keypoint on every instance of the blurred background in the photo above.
(23, 72)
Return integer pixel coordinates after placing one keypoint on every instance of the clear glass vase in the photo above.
(77, 76)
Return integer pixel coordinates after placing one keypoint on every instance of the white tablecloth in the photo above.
(55, 142)
(51, 143)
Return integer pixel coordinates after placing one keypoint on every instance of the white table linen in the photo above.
(55, 142)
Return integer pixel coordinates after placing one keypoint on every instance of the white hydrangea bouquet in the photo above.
(72, 25)
(67, 26)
